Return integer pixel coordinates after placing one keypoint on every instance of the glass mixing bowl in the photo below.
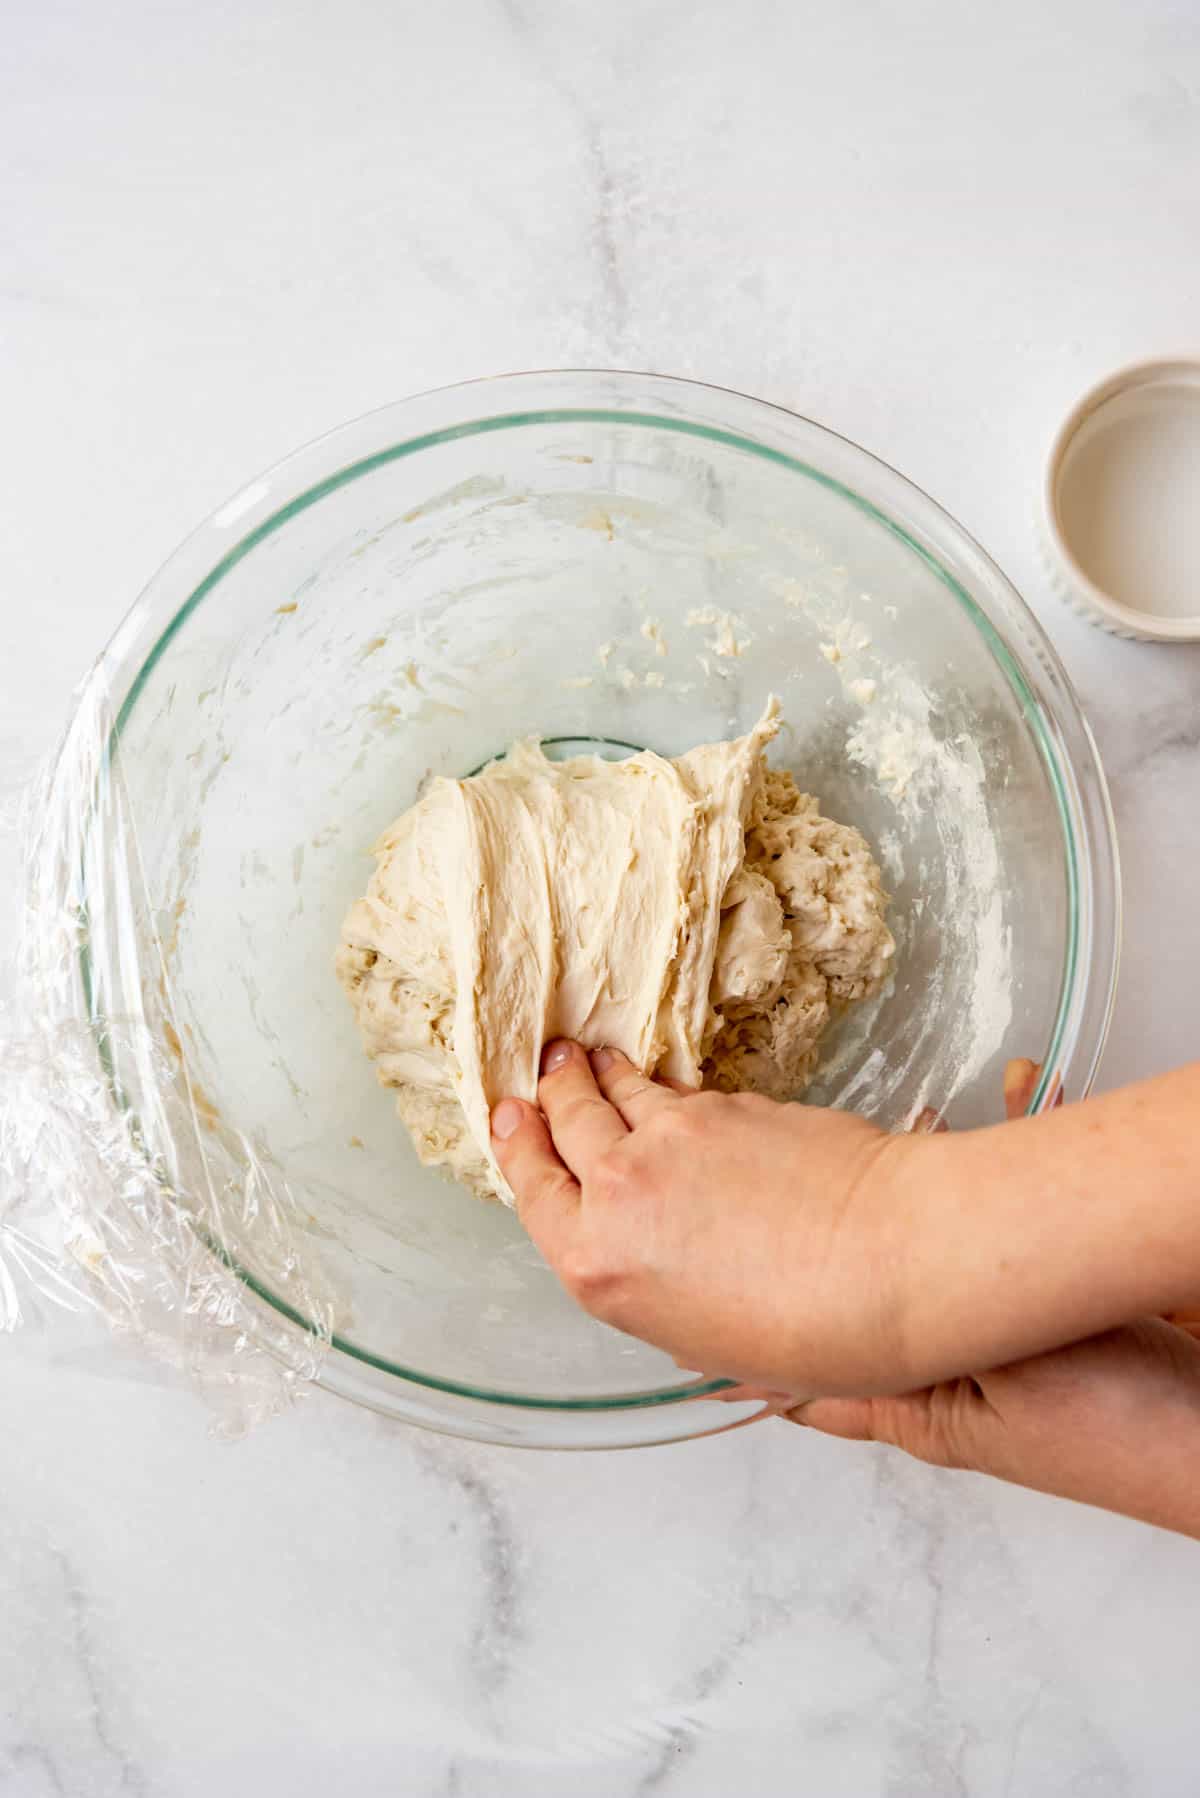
(602, 559)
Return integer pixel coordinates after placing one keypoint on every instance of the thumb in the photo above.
(547, 1194)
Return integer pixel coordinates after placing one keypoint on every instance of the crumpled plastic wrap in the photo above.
(119, 1191)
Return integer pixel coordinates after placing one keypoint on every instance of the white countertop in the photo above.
(229, 228)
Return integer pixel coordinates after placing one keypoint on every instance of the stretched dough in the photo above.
(697, 913)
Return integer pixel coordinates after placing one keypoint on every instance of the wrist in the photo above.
(968, 1288)
(1021, 1237)
(985, 1253)
(897, 1208)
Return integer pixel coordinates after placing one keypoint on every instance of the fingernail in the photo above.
(602, 1059)
(554, 1057)
(506, 1118)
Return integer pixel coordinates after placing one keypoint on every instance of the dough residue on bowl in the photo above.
(697, 913)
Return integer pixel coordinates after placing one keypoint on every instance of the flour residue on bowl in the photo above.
(934, 775)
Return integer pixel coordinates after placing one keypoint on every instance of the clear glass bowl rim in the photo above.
(508, 402)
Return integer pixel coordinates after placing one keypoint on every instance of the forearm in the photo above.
(1022, 1237)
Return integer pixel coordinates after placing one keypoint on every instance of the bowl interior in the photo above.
(583, 575)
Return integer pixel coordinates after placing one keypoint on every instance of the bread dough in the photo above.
(803, 934)
(697, 913)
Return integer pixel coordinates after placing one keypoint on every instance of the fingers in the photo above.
(635, 1097)
(951, 1425)
(849, 1418)
(745, 1393)
(545, 1156)
(583, 1124)
(1020, 1078)
(547, 1196)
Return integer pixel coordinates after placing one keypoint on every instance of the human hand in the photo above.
(739, 1234)
(766, 1242)
(1112, 1421)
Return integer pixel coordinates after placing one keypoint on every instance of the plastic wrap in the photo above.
(120, 1189)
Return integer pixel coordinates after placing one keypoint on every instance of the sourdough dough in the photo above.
(698, 913)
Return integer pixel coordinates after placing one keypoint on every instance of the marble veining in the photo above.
(229, 230)
(606, 201)
(497, 1633)
(64, 1661)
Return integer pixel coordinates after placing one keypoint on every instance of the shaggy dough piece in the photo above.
(697, 913)
(802, 934)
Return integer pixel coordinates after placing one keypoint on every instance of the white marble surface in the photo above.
(229, 227)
